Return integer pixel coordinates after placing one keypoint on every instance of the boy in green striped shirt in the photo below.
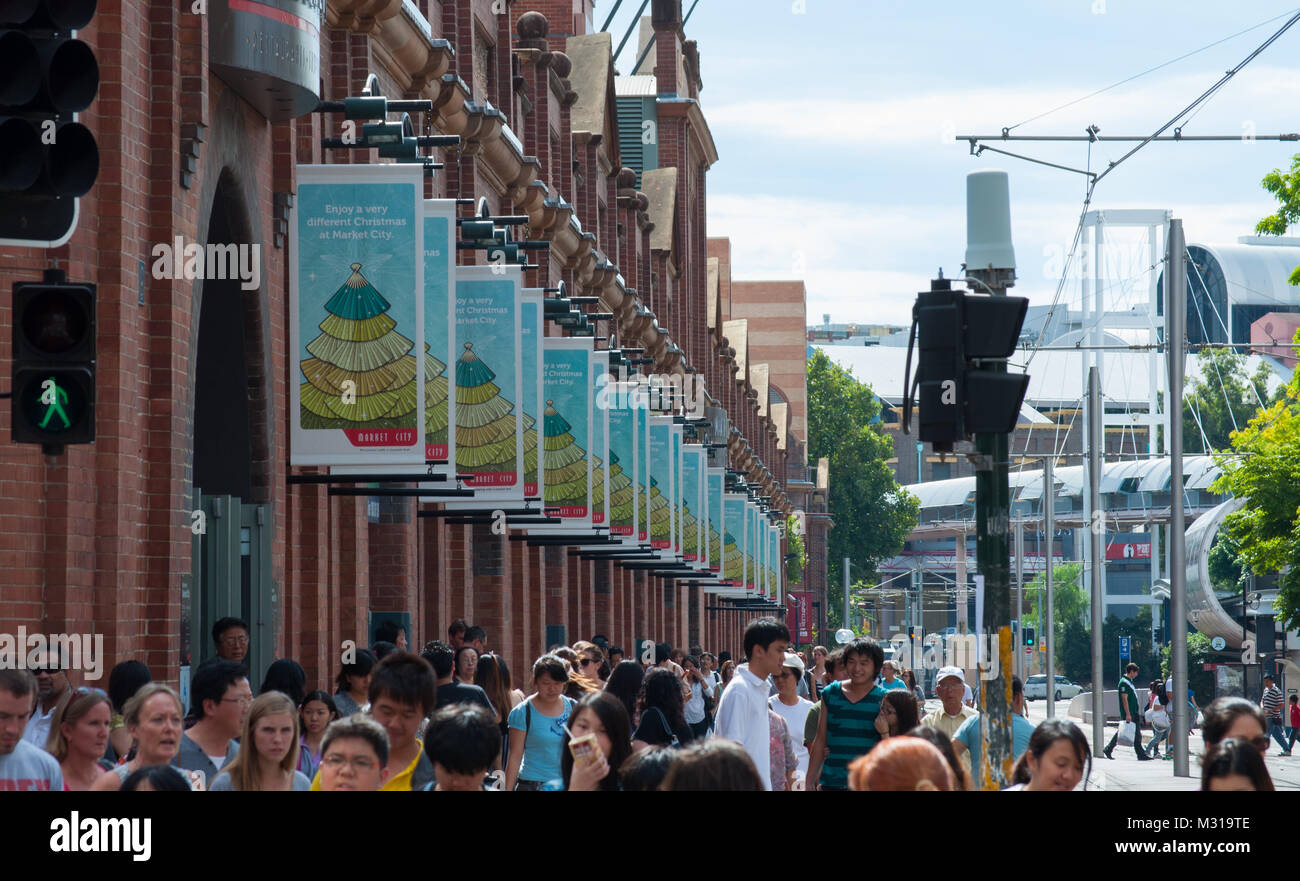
(846, 727)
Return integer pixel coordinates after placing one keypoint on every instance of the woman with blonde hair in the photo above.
(154, 718)
(901, 764)
(78, 737)
(268, 751)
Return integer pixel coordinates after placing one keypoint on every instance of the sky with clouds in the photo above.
(835, 124)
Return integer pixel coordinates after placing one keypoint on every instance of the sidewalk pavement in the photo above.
(1125, 773)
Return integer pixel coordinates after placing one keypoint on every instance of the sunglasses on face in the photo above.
(586, 662)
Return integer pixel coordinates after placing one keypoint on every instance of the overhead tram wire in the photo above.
(1094, 179)
(1149, 71)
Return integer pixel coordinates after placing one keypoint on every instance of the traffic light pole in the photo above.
(1175, 336)
(1048, 624)
(993, 557)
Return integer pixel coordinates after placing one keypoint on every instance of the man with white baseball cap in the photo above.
(791, 707)
(950, 685)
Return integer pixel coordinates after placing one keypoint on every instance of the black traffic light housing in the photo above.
(47, 159)
(961, 388)
(1028, 636)
(53, 390)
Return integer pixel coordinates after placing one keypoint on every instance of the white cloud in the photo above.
(1263, 96)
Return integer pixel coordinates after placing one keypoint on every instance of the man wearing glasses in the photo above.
(220, 696)
(231, 638)
(52, 691)
(354, 756)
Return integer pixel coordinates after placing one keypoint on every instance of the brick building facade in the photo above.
(193, 375)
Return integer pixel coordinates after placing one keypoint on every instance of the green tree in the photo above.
(1199, 653)
(1266, 475)
(872, 513)
(796, 552)
(1223, 399)
(1285, 187)
(1071, 642)
(1141, 650)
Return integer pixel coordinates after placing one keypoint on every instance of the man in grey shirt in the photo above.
(221, 696)
(23, 767)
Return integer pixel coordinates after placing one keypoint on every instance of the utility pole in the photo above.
(991, 262)
(1096, 527)
(846, 594)
(1048, 625)
(962, 341)
(1175, 336)
(1021, 662)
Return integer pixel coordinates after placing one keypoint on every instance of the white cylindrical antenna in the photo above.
(989, 254)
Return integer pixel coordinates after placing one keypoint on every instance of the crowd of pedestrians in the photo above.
(449, 718)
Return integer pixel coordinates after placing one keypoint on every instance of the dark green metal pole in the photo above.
(993, 554)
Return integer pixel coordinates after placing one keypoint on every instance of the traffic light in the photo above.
(53, 397)
(47, 158)
(1029, 636)
(960, 392)
(940, 365)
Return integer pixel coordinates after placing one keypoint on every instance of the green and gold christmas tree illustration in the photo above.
(435, 400)
(643, 510)
(715, 547)
(564, 461)
(597, 489)
(361, 373)
(660, 515)
(621, 493)
(530, 450)
(485, 421)
(733, 569)
(691, 526)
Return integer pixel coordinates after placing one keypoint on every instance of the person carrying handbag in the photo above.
(1158, 715)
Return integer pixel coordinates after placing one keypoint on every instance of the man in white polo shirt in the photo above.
(743, 709)
(950, 685)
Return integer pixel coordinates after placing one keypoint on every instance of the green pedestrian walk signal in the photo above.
(53, 391)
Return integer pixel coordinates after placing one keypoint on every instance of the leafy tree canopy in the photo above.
(872, 513)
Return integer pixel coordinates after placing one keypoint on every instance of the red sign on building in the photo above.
(1129, 550)
(799, 616)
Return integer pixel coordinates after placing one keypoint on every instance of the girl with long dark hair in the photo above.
(625, 684)
(604, 716)
(1056, 760)
(663, 715)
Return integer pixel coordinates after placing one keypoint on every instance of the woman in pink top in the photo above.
(781, 748)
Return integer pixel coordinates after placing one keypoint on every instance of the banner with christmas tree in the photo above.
(439, 321)
(751, 547)
(489, 437)
(531, 399)
(642, 413)
(599, 437)
(566, 429)
(356, 322)
(623, 450)
(678, 512)
(715, 481)
(774, 560)
(735, 519)
(661, 483)
(692, 509)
